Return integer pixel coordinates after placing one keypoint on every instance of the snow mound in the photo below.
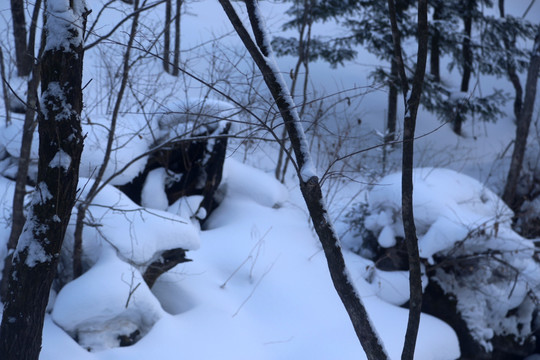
(153, 193)
(133, 137)
(465, 229)
(139, 235)
(105, 304)
(245, 181)
(189, 207)
(447, 207)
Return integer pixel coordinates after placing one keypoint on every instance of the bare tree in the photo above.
(23, 60)
(29, 125)
(309, 182)
(60, 148)
(4, 87)
(94, 190)
(167, 36)
(177, 33)
(18, 218)
(467, 62)
(168, 66)
(523, 124)
(509, 46)
(411, 109)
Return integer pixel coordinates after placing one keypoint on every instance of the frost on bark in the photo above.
(261, 53)
(60, 148)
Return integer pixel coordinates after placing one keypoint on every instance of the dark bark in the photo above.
(435, 46)
(32, 32)
(509, 45)
(310, 187)
(167, 36)
(166, 262)
(192, 160)
(23, 59)
(177, 33)
(523, 125)
(467, 64)
(18, 218)
(29, 125)
(37, 254)
(391, 118)
(466, 48)
(214, 173)
(4, 88)
(411, 110)
(283, 160)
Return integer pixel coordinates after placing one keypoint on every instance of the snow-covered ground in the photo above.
(258, 286)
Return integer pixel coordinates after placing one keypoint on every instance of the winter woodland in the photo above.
(269, 179)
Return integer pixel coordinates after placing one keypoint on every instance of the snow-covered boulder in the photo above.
(467, 246)
(139, 235)
(108, 306)
(246, 181)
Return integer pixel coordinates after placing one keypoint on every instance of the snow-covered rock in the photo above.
(108, 302)
(458, 218)
(245, 181)
(138, 234)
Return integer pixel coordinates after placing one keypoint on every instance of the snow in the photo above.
(139, 235)
(153, 193)
(387, 237)
(35, 254)
(61, 160)
(258, 286)
(109, 300)
(188, 207)
(443, 197)
(133, 137)
(458, 216)
(245, 181)
(64, 26)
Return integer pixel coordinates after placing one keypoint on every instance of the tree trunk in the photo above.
(177, 33)
(391, 118)
(167, 37)
(411, 110)
(435, 46)
(467, 64)
(18, 218)
(522, 129)
(60, 148)
(32, 32)
(509, 45)
(23, 59)
(309, 182)
(4, 88)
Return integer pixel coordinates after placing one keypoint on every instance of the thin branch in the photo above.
(309, 184)
(411, 109)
